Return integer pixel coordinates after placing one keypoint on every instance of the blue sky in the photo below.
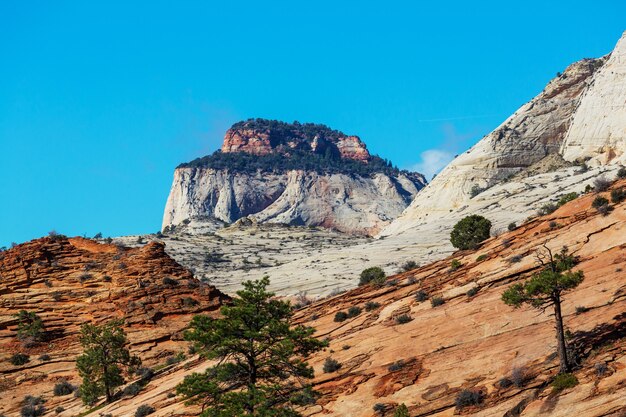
(99, 101)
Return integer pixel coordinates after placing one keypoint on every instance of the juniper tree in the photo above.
(104, 361)
(545, 289)
(469, 232)
(30, 328)
(261, 368)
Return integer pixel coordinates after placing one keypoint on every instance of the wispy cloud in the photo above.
(432, 161)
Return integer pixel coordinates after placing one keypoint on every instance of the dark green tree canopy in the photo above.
(469, 232)
(261, 368)
(104, 360)
(373, 275)
(30, 328)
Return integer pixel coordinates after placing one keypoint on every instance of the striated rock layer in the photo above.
(69, 282)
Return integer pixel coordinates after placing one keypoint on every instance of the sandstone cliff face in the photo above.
(579, 115)
(69, 282)
(357, 198)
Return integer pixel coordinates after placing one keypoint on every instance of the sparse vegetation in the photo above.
(581, 309)
(601, 184)
(472, 292)
(475, 190)
(379, 408)
(340, 316)
(32, 407)
(621, 173)
(546, 289)
(132, 389)
(547, 208)
(401, 411)
(30, 328)
(251, 375)
(566, 198)
(354, 311)
(144, 410)
(63, 388)
(19, 359)
(512, 226)
(409, 265)
(468, 398)
(563, 381)
(331, 365)
(469, 232)
(396, 366)
(481, 258)
(374, 275)
(104, 359)
(421, 296)
(618, 195)
(437, 301)
(371, 305)
(403, 319)
(170, 282)
(455, 264)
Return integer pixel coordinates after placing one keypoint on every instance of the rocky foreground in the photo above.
(68, 282)
(401, 347)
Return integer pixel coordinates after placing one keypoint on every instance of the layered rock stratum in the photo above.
(470, 341)
(69, 282)
(294, 174)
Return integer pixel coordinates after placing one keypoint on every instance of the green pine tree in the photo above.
(545, 289)
(260, 369)
(104, 360)
(401, 411)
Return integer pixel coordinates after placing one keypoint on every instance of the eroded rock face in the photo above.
(69, 282)
(355, 196)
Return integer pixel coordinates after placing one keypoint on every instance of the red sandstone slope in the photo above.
(68, 282)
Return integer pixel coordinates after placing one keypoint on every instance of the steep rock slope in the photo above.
(471, 341)
(68, 282)
(298, 174)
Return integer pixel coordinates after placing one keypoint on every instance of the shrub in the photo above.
(601, 368)
(581, 309)
(179, 357)
(547, 208)
(374, 275)
(469, 232)
(468, 398)
(63, 388)
(132, 389)
(564, 381)
(331, 365)
(409, 265)
(145, 373)
(618, 195)
(170, 282)
(144, 410)
(371, 305)
(481, 258)
(599, 202)
(455, 264)
(472, 292)
(475, 190)
(621, 173)
(33, 407)
(566, 198)
(421, 296)
(403, 319)
(401, 411)
(411, 280)
(19, 359)
(505, 382)
(396, 366)
(605, 210)
(354, 311)
(519, 377)
(515, 259)
(341, 316)
(512, 226)
(59, 409)
(44, 358)
(601, 184)
(30, 328)
(379, 408)
(189, 302)
(436, 301)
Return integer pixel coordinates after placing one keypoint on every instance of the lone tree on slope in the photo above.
(260, 368)
(470, 231)
(104, 359)
(30, 328)
(546, 289)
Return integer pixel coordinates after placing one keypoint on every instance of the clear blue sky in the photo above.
(99, 101)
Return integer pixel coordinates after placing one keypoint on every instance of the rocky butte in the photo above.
(291, 173)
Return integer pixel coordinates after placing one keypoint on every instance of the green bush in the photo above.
(401, 411)
(331, 365)
(468, 398)
(340, 316)
(481, 258)
(618, 195)
(421, 296)
(132, 389)
(19, 359)
(621, 173)
(601, 184)
(472, 292)
(437, 301)
(547, 208)
(374, 275)
(33, 407)
(30, 328)
(563, 381)
(371, 305)
(455, 264)
(144, 410)
(409, 265)
(354, 311)
(469, 232)
(403, 319)
(512, 226)
(599, 202)
(63, 388)
(567, 198)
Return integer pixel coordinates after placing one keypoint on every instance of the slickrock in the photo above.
(69, 282)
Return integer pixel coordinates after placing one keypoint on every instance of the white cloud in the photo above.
(432, 161)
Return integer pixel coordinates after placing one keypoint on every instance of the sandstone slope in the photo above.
(69, 282)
